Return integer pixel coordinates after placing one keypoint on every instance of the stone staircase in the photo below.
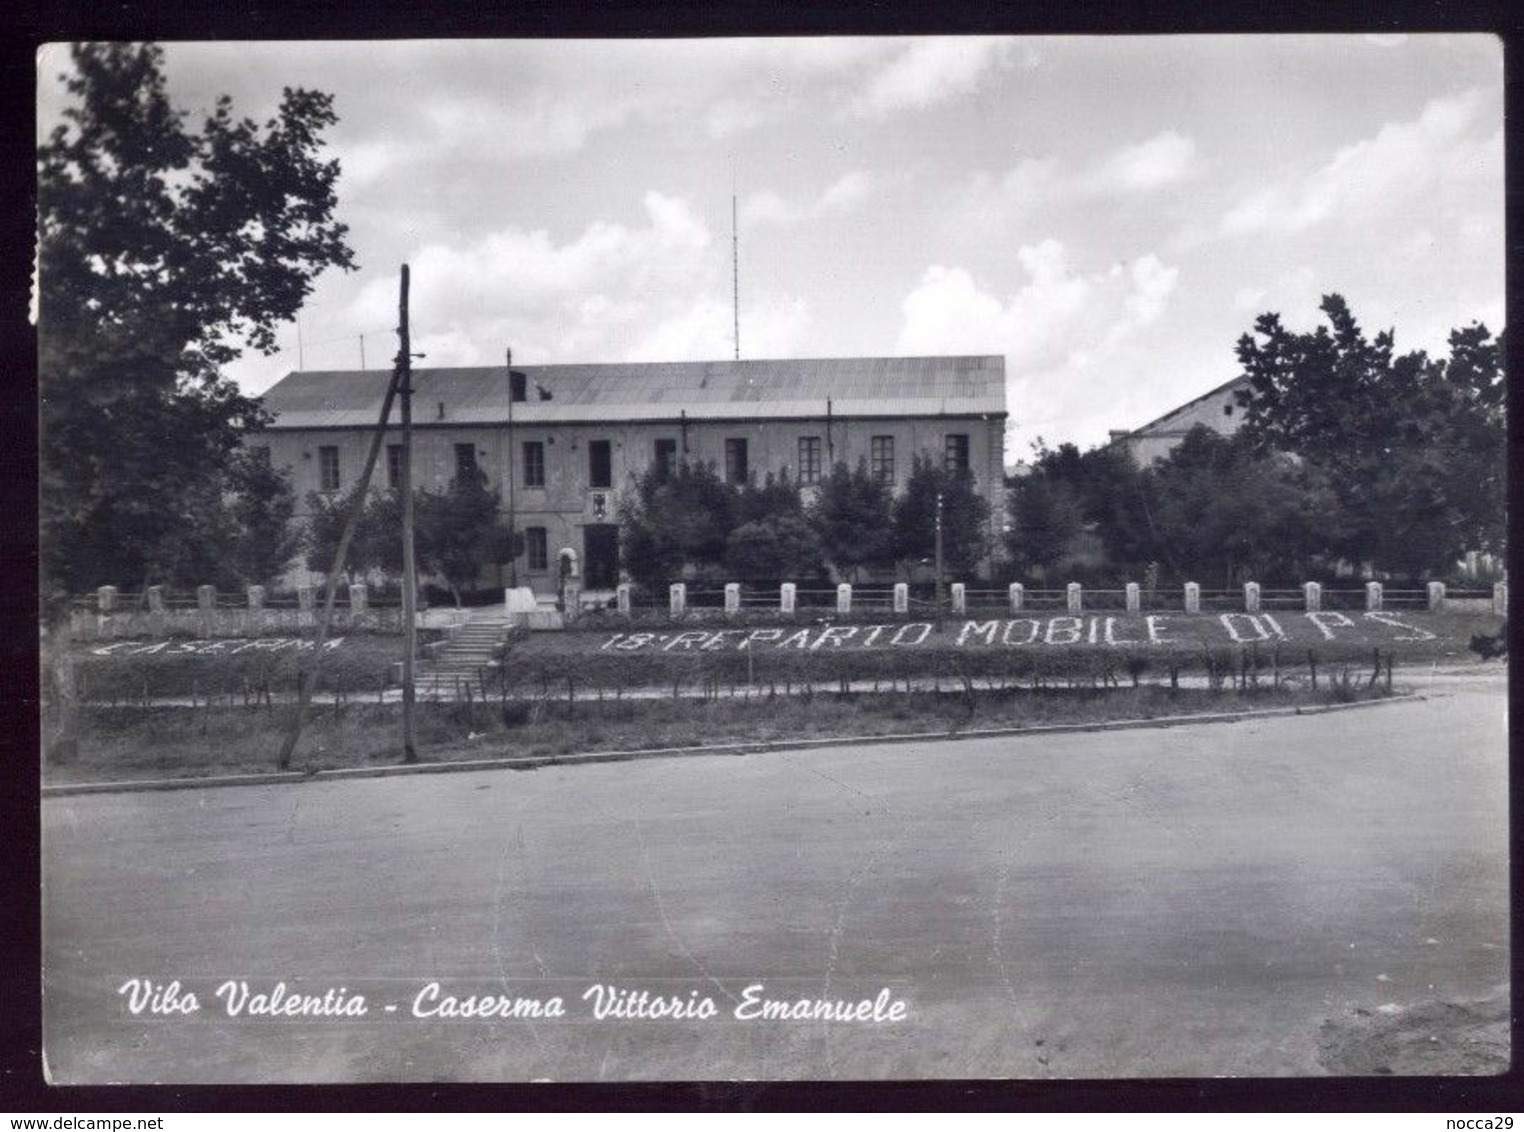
(458, 662)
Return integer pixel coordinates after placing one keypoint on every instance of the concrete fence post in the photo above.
(959, 598)
(206, 598)
(1500, 598)
(359, 598)
(1473, 559)
(1193, 597)
(677, 599)
(1373, 597)
(1075, 597)
(844, 597)
(786, 599)
(1251, 597)
(1436, 597)
(156, 599)
(732, 597)
(1134, 598)
(256, 598)
(1018, 597)
(622, 598)
(901, 597)
(105, 599)
(1313, 596)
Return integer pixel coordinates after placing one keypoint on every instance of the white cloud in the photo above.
(841, 195)
(767, 207)
(847, 191)
(1165, 159)
(1053, 316)
(732, 116)
(1067, 337)
(772, 327)
(656, 291)
(1437, 158)
(928, 72)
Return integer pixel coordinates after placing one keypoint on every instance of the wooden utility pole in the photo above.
(306, 676)
(409, 567)
(939, 560)
(513, 475)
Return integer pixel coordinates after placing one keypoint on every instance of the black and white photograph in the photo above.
(772, 559)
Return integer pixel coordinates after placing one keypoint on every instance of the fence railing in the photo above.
(205, 605)
(846, 598)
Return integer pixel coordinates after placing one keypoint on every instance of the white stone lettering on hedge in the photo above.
(985, 629)
(1071, 627)
(1152, 630)
(223, 647)
(923, 626)
(835, 635)
(760, 635)
(1033, 628)
(1327, 620)
(686, 640)
(1417, 634)
(1111, 637)
(1265, 627)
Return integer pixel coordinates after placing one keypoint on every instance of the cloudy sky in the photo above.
(1107, 213)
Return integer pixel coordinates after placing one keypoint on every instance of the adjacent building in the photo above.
(565, 443)
(1217, 409)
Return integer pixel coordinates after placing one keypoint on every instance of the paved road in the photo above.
(1191, 901)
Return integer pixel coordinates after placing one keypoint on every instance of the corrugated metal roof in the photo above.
(783, 388)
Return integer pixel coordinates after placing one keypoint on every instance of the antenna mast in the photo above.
(735, 262)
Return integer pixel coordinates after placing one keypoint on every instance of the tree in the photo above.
(1223, 511)
(1044, 518)
(161, 250)
(1106, 484)
(1413, 448)
(853, 516)
(775, 495)
(261, 505)
(965, 518)
(674, 521)
(326, 517)
(774, 548)
(459, 530)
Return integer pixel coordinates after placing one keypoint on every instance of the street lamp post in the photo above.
(939, 561)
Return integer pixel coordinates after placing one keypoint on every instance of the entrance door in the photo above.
(600, 544)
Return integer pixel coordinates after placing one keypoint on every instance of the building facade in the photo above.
(565, 444)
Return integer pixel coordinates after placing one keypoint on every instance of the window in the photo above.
(1227, 410)
(600, 463)
(666, 458)
(809, 459)
(465, 461)
(881, 458)
(534, 463)
(955, 453)
(735, 460)
(537, 548)
(328, 467)
(394, 466)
